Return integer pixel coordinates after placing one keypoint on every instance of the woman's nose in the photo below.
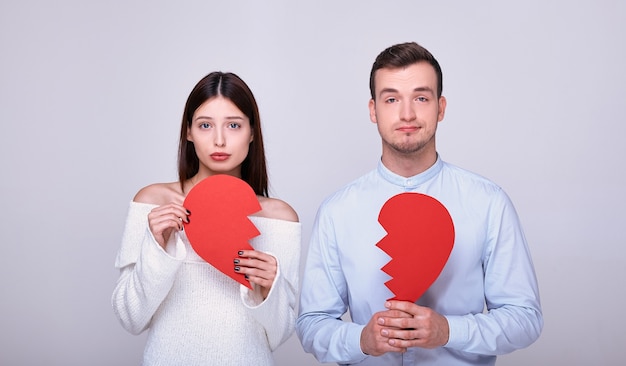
(219, 139)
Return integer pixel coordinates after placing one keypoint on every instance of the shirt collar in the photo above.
(410, 182)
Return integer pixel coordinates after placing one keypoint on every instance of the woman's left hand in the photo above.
(259, 268)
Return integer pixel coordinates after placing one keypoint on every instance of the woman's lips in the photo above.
(220, 156)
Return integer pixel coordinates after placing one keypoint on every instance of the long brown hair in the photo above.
(233, 88)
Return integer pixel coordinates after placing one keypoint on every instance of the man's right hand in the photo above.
(373, 343)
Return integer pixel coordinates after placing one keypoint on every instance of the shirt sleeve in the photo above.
(513, 319)
(324, 300)
(277, 313)
(147, 272)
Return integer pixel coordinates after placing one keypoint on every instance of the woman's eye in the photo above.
(234, 125)
(205, 125)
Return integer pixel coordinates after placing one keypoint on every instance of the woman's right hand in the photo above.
(164, 220)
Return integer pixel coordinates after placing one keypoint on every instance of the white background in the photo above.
(91, 96)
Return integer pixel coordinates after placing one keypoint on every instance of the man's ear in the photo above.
(372, 107)
(442, 108)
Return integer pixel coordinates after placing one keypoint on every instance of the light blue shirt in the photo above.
(487, 290)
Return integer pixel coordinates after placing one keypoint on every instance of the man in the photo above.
(485, 301)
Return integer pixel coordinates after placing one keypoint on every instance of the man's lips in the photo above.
(407, 128)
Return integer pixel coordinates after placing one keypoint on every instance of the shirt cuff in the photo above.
(354, 337)
(458, 332)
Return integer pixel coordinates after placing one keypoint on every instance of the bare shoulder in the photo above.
(160, 194)
(274, 208)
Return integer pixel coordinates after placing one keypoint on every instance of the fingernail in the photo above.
(240, 252)
(237, 269)
(246, 276)
(381, 321)
(236, 261)
(188, 220)
(188, 212)
(384, 332)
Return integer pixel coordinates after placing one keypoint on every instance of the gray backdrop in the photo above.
(91, 94)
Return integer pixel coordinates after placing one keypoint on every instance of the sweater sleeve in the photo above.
(277, 313)
(147, 272)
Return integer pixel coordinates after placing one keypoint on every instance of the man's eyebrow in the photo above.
(387, 90)
(424, 89)
(418, 89)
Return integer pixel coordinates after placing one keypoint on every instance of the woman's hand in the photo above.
(164, 220)
(258, 267)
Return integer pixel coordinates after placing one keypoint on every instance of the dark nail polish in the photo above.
(188, 220)
(246, 276)
(240, 252)
(236, 261)
(237, 269)
(188, 212)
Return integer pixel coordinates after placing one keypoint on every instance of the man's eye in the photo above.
(390, 100)
(422, 99)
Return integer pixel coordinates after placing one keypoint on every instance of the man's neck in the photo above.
(408, 165)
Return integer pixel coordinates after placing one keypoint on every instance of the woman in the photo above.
(194, 314)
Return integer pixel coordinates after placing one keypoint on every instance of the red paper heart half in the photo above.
(219, 226)
(419, 240)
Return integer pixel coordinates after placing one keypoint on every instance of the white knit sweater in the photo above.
(196, 315)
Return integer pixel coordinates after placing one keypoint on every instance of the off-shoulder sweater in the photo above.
(194, 314)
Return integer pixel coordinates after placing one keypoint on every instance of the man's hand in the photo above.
(373, 342)
(403, 325)
(421, 327)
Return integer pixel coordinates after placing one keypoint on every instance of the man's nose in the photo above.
(406, 112)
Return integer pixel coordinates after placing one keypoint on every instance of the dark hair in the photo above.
(233, 88)
(403, 55)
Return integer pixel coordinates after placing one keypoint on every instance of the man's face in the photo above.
(406, 109)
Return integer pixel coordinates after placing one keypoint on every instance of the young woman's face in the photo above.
(221, 134)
